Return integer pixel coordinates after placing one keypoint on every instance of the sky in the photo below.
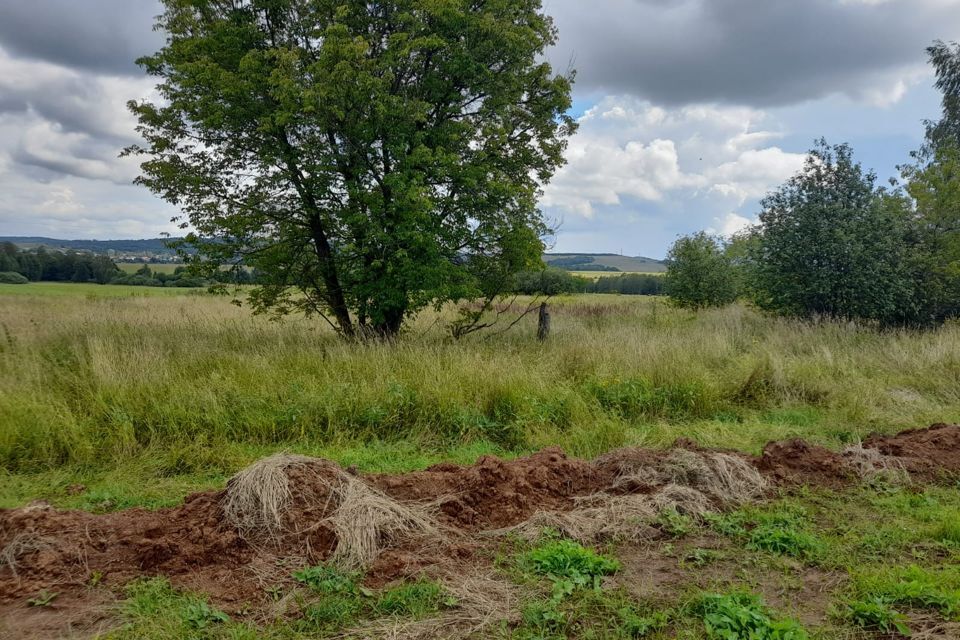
(689, 110)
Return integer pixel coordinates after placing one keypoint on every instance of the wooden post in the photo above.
(543, 326)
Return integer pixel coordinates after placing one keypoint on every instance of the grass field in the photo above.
(133, 267)
(594, 275)
(142, 395)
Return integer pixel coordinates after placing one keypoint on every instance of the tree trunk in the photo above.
(543, 324)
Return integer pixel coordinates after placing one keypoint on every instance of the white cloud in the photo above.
(630, 149)
(730, 225)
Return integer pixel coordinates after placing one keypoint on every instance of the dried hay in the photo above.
(22, 544)
(725, 478)
(481, 602)
(684, 500)
(692, 483)
(870, 465)
(259, 503)
(596, 518)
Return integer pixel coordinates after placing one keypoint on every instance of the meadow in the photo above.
(132, 390)
(116, 397)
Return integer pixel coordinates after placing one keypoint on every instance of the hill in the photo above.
(151, 245)
(604, 262)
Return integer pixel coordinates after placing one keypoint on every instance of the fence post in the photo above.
(543, 325)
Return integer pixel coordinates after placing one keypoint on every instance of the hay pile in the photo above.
(871, 465)
(279, 499)
(691, 483)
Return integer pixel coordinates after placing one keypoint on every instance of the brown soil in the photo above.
(798, 462)
(494, 493)
(66, 551)
(931, 454)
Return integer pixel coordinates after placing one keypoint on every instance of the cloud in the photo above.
(628, 149)
(103, 36)
(755, 52)
(731, 224)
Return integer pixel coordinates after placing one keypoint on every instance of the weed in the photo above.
(326, 580)
(739, 616)
(675, 524)
(43, 599)
(913, 586)
(570, 566)
(416, 599)
(201, 615)
(699, 558)
(876, 615)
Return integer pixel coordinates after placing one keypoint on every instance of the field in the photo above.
(594, 275)
(119, 397)
(133, 267)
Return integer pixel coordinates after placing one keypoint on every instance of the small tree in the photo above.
(829, 244)
(699, 273)
(366, 158)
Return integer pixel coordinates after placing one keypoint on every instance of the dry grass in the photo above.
(482, 601)
(870, 465)
(258, 497)
(260, 503)
(721, 477)
(22, 544)
(691, 483)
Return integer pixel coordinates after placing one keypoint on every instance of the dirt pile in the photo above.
(284, 512)
(496, 493)
(930, 454)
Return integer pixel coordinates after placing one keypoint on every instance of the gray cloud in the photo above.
(104, 36)
(755, 52)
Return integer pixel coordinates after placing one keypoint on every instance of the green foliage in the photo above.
(153, 609)
(630, 284)
(675, 524)
(829, 246)
(201, 615)
(742, 616)
(43, 599)
(549, 282)
(570, 566)
(913, 586)
(343, 600)
(876, 615)
(326, 579)
(388, 162)
(782, 531)
(699, 273)
(415, 599)
(12, 277)
(933, 184)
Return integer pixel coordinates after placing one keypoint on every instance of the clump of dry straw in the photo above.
(259, 502)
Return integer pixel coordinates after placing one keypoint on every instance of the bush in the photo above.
(12, 277)
(549, 282)
(831, 244)
(631, 284)
(699, 273)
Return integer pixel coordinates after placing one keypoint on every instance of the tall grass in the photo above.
(94, 381)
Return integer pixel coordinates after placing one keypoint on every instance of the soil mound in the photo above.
(287, 511)
(796, 461)
(497, 493)
(930, 454)
(60, 550)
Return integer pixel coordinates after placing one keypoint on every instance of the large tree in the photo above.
(831, 244)
(368, 158)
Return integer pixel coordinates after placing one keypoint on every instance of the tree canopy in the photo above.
(831, 245)
(699, 272)
(369, 159)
